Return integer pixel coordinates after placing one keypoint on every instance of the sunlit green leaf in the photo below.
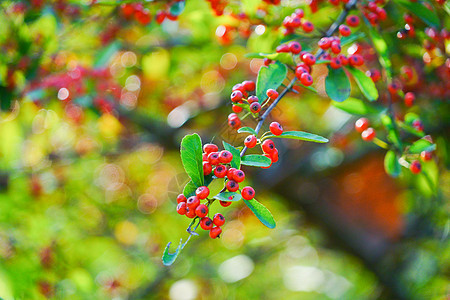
(422, 145)
(391, 164)
(191, 157)
(261, 212)
(337, 84)
(420, 10)
(228, 196)
(256, 160)
(357, 107)
(270, 77)
(247, 130)
(169, 258)
(365, 83)
(298, 135)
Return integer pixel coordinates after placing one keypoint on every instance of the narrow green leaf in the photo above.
(422, 145)
(236, 162)
(298, 135)
(106, 55)
(391, 164)
(270, 77)
(382, 48)
(169, 258)
(420, 10)
(282, 57)
(261, 212)
(366, 85)
(228, 196)
(351, 38)
(357, 107)
(392, 135)
(256, 160)
(191, 157)
(337, 84)
(247, 130)
(322, 61)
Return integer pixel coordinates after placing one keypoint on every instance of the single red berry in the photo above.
(234, 122)
(393, 87)
(205, 156)
(230, 173)
(181, 208)
(267, 61)
(307, 26)
(218, 219)
(362, 124)
(236, 109)
(248, 193)
(276, 128)
(208, 148)
(324, 43)
(181, 198)
(238, 176)
(374, 74)
(232, 186)
(381, 13)
(352, 20)
(190, 213)
(225, 203)
(415, 167)
(426, 155)
(225, 156)
(409, 99)
(206, 223)
(236, 96)
(368, 134)
(299, 71)
(207, 168)
(252, 99)
(220, 171)
(356, 60)
(160, 16)
(295, 47)
(309, 59)
(299, 13)
(250, 141)
(417, 124)
(274, 156)
(213, 158)
(335, 63)
(201, 210)
(343, 59)
(268, 146)
(202, 192)
(192, 202)
(255, 107)
(215, 232)
(306, 79)
(249, 85)
(239, 87)
(272, 94)
(282, 48)
(336, 47)
(344, 30)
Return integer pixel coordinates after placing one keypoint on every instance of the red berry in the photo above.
(181, 208)
(208, 148)
(250, 141)
(252, 99)
(336, 47)
(307, 26)
(409, 99)
(368, 134)
(215, 232)
(202, 192)
(206, 223)
(268, 156)
(249, 85)
(225, 156)
(272, 94)
(299, 71)
(207, 168)
(181, 198)
(234, 123)
(335, 63)
(362, 124)
(236, 96)
(343, 59)
(282, 48)
(218, 219)
(415, 167)
(268, 146)
(192, 202)
(255, 107)
(417, 124)
(374, 74)
(393, 88)
(344, 30)
(248, 193)
(324, 43)
(295, 47)
(160, 16)
(274, 156)
(190, 213)
(236, 109)
(201, 210)
(267, 61)
(230, 173)
(213, 158)
(355, 60)
(225, 203)
(308, 59)
(306, 79)
(276, 128)
(220, 171)
(232, 186)
(238, 176)
(352, 20)
(426, 155)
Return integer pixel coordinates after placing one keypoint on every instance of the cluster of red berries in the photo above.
(362, 126)
(295, 21)
(268, 146)
(374, 12)
(143, 15)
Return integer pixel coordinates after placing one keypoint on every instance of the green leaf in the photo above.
(382, 48)
(247, 130)
(270, 77)
(357, 107)
(337, 84)
(261, 212)
(366, 85)
(256, 160)
(236, 162)
(420, 10)
(422, 145)
(169, 258)
(392, 135)
(228, 196)
(298, 135)
(191, 157)
(351, 38)
(282, 57)
(106, 54)
(177, 8)
(322, 61)
(391, 164)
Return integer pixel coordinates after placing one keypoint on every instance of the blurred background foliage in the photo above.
(93, 109)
